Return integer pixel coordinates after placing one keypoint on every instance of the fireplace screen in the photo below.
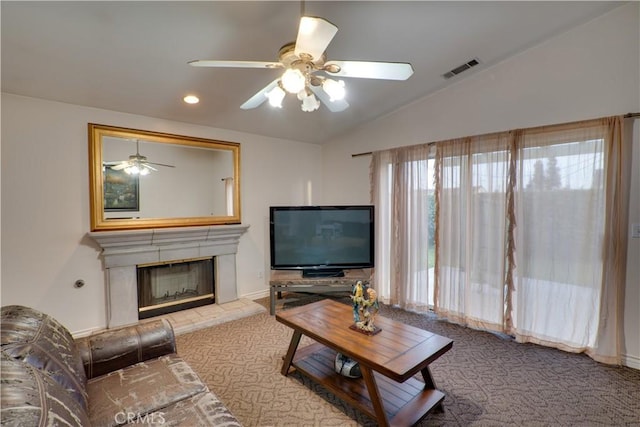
(169, 287)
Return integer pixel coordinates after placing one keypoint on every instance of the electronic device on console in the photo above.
(322, 241)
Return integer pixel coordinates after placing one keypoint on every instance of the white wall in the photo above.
(45, 203)
(591, 71)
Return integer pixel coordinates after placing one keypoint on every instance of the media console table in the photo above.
(292, 280)
(387, 391)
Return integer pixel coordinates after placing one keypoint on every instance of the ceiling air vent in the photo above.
(461, 68)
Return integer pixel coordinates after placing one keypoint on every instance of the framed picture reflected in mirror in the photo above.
(121, 191)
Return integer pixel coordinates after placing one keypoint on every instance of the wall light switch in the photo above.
(635, 231)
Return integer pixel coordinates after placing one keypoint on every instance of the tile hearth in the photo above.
(190, 320)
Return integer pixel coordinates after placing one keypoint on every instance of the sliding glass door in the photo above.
(560, 206)
(471, 185)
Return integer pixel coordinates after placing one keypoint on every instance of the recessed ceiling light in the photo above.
(191, 99)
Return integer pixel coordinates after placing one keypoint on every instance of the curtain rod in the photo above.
(368, 153)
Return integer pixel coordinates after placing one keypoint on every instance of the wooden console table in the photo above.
(292, 280)
(389, 358)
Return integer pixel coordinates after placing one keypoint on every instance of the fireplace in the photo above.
(173, 286)
(123, 252)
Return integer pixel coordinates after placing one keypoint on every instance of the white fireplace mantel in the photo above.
(123, 250)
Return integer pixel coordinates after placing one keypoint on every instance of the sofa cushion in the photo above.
(41, 341)
(29, 397)
(141, 389)
(201, 410)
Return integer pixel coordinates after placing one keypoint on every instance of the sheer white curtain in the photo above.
(471, 188)
(380, 172)
(560, 247)
(530, 232)
(400, 191)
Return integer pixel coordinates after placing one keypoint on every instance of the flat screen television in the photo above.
(321, 240)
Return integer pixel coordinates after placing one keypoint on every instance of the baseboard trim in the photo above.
(631, 361)
(256, 295)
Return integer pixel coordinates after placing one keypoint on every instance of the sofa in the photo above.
(121, 376)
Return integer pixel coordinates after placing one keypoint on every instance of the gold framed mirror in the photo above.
(144, 179)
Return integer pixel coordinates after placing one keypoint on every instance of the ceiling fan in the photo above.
(304, 62)
(137, 164)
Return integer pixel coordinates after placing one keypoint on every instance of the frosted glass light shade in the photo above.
(293, 80)
(132, 170)
(276, 96)
(310, 103)
(335, 89)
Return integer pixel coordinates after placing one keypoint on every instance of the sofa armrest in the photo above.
(114, 349)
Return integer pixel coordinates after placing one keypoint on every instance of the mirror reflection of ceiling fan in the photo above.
(137, 164)
(308, 73)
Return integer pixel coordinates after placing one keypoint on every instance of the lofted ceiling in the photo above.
(132, 56)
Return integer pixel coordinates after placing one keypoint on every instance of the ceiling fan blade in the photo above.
(235, 64)
(314, 35)
(369, 70)
(333, 106)
(158, 164)
(257, 99)
(147, 166)
(119, 166)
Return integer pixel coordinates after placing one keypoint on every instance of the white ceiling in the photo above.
(132, 56)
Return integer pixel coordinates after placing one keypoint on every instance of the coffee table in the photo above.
(388, 360)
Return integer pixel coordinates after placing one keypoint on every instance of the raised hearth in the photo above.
(123, 250)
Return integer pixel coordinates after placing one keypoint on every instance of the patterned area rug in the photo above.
(488, 380)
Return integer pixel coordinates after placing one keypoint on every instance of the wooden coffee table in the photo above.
(388, 361)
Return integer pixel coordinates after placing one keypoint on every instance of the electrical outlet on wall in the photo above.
(635, 231)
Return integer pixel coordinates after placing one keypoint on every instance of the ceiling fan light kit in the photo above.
(136, 170)
(302, 60)
(138, 164)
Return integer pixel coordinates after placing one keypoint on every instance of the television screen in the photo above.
(321, 239)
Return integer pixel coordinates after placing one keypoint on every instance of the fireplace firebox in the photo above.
(173, 286)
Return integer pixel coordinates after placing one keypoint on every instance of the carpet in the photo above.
(488, 379)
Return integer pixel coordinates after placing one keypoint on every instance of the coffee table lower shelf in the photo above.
(405, 403)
